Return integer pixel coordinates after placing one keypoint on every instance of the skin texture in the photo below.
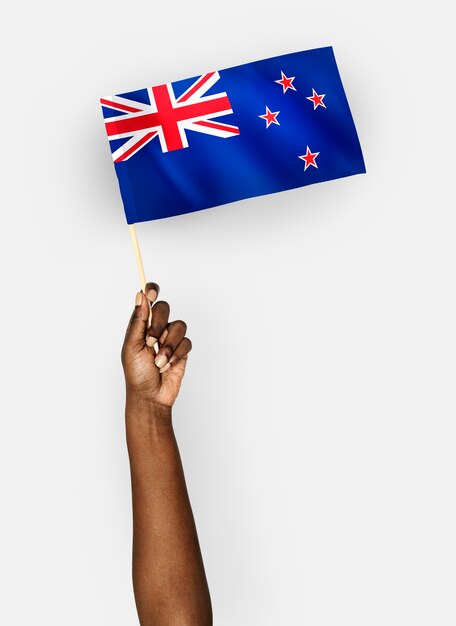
(168, 573)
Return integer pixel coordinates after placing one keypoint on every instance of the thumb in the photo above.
(135, 337)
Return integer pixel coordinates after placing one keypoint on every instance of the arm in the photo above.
(168, 573)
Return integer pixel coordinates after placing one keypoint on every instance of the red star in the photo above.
(309, 158)
(287, 83)
(270, 117)
(316, 99)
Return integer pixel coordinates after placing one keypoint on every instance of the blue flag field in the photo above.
(231, 134)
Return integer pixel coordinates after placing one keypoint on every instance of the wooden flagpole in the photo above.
(139, 263)
(142, 275)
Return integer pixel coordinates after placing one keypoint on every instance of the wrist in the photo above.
(141, 408)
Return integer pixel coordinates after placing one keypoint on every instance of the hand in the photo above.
(155, 378)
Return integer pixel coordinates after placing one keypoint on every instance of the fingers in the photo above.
(180, 352)
(152, 290)
(172, 342)
(137, 327)
(176, 332)
(158, 323)
(162, 337)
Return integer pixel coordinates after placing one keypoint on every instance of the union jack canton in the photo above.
(168, 117)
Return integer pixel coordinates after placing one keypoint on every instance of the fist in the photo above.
(154, 356)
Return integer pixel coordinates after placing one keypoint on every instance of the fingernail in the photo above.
(161, 360)
(152, 295)
(138, 298)
(163, 336)
(150, 341)
(163, 369)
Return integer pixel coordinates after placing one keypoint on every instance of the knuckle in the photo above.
(180, 325)
(168, 350)
(187, 344)
(161, 304)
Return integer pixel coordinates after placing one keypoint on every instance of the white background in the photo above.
(317, 417)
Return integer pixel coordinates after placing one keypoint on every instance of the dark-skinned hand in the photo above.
(154, 377)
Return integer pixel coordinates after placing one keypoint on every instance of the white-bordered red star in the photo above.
(317, 99)
(286, 82)
(309, 158)
(270, 117)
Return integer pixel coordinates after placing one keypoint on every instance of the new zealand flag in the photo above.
(244, 131)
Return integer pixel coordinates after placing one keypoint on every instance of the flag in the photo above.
(226, 135)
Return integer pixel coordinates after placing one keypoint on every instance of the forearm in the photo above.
(168, 572)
